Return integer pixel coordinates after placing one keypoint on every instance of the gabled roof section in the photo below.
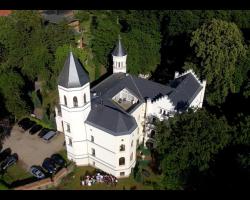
(185, 90)
(111, 120)
(119, 50)
(72, 75)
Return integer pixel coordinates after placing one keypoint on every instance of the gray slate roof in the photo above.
(110, 117)
(57, 16)
(119, 50)
(72, 75)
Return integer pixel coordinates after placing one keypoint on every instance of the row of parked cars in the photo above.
(34, 128)
(7, 159)
(50, 165)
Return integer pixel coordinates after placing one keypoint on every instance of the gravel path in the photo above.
(31, 149)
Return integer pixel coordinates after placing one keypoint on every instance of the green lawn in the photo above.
(72, 182)
(14, 173)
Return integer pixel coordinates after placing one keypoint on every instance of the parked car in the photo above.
(4, 154)
(35, 129)
(28, 125)
(10, 160)
(23, 121)
(35, 171)
(43, 132)
(48, 136)
(49, 166)
(58, 160)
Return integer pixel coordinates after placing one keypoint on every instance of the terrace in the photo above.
(125, 99)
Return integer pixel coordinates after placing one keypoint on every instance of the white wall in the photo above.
(121, 60)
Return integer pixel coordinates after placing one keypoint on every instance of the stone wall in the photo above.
(47, 182)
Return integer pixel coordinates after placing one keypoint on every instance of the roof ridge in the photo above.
(136, 87)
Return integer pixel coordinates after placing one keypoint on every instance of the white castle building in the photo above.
(104, 125)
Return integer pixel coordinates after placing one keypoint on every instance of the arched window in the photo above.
(84, 98)
(75, 102)
(122, 147)
(65, 100)
(122, 161)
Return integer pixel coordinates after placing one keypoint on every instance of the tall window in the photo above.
(92, 138)
(93, 152)
(122, 147)
(131, 156)
(122, 161)
(75, 102)
(65, 100)
(68, 128)
(70, 142)
(84, 99)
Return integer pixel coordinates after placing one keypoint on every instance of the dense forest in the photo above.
(196, 150)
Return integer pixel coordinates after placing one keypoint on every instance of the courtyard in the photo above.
(31, 149)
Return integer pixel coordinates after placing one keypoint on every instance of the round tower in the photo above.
(75, 105)
(119, 58)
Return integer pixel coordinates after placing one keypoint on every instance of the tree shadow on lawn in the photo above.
(225, 173)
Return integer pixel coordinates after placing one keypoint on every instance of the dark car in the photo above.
(49, 166)
(28, 125)
(4, 154)
(10, 160)
(35, 129)
(58, 160)
(23, 121)
(43, 132)
(37, 172)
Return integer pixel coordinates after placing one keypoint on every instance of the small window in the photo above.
(122, 161)
(84, 99)
(122, 147)
(122, 173)
(93, 163)
(70, 142)
(65, 100)
(93, 152)
(137, 142)
(132, 143)
(131, 156)
(75, 102)
(68, 128)
(92, 138)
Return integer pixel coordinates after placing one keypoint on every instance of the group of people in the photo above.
(99, 178)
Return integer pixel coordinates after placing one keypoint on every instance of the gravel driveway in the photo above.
(31, 149)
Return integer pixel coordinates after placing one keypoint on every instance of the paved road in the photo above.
(31, 149)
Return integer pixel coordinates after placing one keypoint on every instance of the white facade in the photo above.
(119, 64)
(88, 145)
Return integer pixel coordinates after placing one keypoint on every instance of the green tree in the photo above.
(218, 46)
(11, 85)
(189, 140)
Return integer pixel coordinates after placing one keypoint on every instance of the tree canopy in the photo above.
(190, 139)
(218, 45)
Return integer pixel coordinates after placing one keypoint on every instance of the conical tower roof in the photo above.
(119, 50)
(72, 75)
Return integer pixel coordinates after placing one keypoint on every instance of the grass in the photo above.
(72, 182)
(15, 173)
